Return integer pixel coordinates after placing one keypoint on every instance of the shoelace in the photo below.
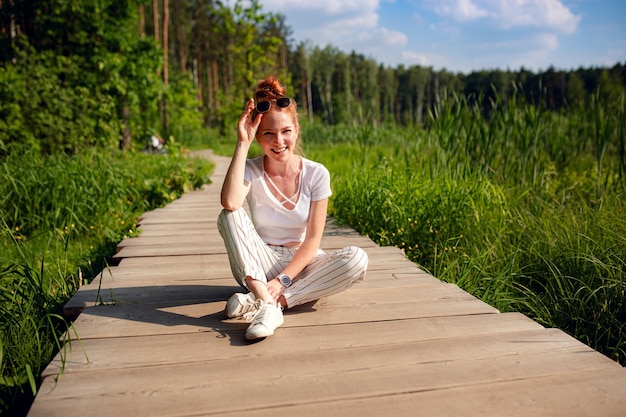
(259, 312)
(250, 306)
(250, 315)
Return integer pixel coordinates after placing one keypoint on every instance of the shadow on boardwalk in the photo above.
(155, 341)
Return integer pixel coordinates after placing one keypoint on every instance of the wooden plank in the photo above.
(361, 296)
(218, 266)
(404, 278)
(177, 317)
(217, 246)
(289, 378)
(572, 394)
(149, 294)
(186, 225)
(206, 236)
(176, 218)
(202, 261)
(180, 217)
(189, 287)
(184, 239)
(222, 275)
(191, 292)
(388, 255)
(138, 351)
(166, 277)
(185, 229)
(330, 243)
(191, 205)
(219, 263)
(203, 285)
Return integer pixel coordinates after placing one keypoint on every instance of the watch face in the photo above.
(285, 280)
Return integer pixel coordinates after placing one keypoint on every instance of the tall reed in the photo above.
(522, 207)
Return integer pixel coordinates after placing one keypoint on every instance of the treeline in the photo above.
(107, 72)
(227, 51)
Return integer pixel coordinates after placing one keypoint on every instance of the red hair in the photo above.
(272, 86)
(273, 89)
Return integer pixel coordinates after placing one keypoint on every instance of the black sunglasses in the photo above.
(264, 106)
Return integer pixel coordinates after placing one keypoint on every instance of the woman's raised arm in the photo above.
(234, 190)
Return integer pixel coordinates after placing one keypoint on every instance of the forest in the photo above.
(118, 70)
(509, 183)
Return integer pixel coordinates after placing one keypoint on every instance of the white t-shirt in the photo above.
(276, 224)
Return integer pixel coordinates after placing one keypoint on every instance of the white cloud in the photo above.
(547, 41)
(547, 14)
(539, 13)
(331, 7)
(383, 36)
(462, 10)
(350, 25)
(415, 58)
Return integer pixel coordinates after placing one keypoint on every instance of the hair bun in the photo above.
(271, 84)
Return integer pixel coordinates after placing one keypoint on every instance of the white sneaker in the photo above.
(265, 321)
(239, 304)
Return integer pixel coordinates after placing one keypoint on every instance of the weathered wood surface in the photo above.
(154, 341)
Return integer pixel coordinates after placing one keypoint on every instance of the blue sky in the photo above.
(465, 35)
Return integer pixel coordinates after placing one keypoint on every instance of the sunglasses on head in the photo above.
(264, 106)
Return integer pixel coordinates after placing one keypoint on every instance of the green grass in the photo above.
(525, 209)
(61, 218)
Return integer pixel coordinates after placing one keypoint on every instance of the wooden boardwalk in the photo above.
(155, 341)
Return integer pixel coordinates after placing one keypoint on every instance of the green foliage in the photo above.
(77, 77)
(402, 207)
(43, 114)
(510, 208)
(571, 272)
(185, 117)
(250, 48)
(31, 330)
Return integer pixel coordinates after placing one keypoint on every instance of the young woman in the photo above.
(275, 253)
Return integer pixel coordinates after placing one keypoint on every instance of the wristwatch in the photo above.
(285, 280)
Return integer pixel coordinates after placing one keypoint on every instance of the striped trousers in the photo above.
(249, 256)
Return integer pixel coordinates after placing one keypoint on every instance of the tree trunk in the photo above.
(210, 95)
(182, 51)
(329, 99)
(155, 17)
(180, 34)
(142, 21)
(125, 141)
(166, 19)
(346, 88)
(210, 103)
(216, 86)
(309, 97)
(197, 78)
(303, 92)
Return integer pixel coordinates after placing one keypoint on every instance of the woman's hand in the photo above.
(247, 128)
(275, 288)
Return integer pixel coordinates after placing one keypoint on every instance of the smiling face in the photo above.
(278, 135)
